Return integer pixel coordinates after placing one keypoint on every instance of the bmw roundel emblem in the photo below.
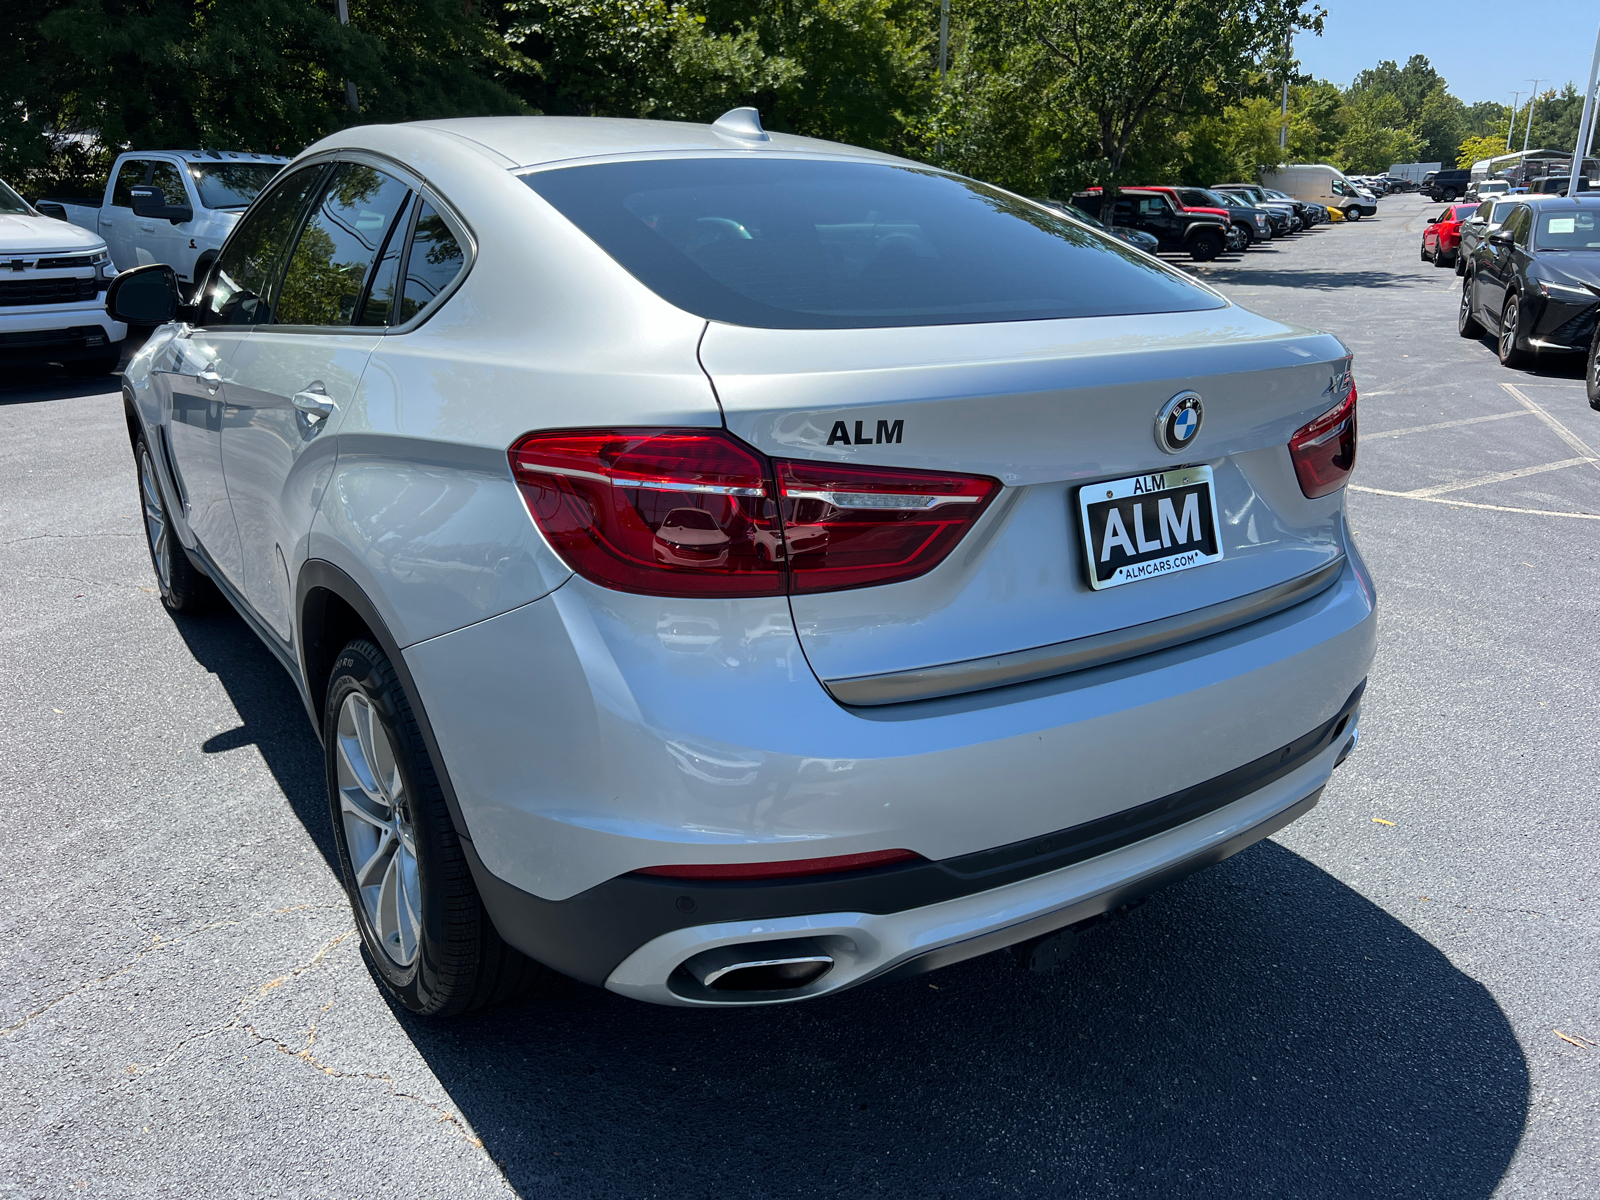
(1178, 422)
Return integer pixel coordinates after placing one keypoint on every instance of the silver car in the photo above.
(728, 568)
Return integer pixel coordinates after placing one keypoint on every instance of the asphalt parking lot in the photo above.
(1367, 1005)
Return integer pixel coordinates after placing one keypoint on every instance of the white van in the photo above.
(1321, 184)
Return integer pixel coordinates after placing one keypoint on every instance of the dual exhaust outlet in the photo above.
(783, 966)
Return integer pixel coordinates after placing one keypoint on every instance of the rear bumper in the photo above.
(635, 933)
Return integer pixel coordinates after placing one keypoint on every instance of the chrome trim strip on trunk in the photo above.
(1079, 654)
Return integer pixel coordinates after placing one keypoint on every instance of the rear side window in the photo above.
(804, 244)
(241, 283)
(339, 246)
(432, 264)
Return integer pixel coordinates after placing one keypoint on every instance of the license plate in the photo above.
(1149, 525)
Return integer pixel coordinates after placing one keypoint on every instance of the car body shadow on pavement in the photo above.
(1257, 1030)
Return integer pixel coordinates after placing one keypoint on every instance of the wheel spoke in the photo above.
(379, 864)
(354, 802)
(355, 764)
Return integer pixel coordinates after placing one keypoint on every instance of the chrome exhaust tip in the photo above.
(761, 966)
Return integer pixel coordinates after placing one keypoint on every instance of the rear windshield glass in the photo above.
(1567, 231)
(797, 244)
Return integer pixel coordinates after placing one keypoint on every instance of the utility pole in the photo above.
(351, 97)
(1516, 99)
(1533, 98)
(1283, 127)
(944, 60)
(1580, 152)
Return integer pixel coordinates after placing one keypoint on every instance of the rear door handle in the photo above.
(210, 378)
(314, 403)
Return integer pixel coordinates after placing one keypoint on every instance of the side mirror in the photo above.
(150, 203)
(49, 208)
(1433, 220)
(145, 295)
(1500, 238)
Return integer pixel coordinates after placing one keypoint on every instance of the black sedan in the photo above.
(1535, 281)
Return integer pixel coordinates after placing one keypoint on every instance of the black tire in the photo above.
(1449, 196)
(1511, 355)
(184, 589)
(1434, 258)
(1467, 324)
(1352, 213)
(1461, 262)
(459, 962)
(1205, 245)
(104, 363)
(1425, 252)
(1591, 374)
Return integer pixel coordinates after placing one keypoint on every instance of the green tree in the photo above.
(1376, 134)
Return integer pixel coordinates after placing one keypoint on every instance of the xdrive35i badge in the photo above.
(1178, 422)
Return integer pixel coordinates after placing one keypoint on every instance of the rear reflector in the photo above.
(780, 870)
(1324, 451)
(678, 512)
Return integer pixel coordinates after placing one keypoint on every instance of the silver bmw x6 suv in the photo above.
(727, 567)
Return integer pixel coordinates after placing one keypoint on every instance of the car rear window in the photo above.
(1463, 212)
(804, 244)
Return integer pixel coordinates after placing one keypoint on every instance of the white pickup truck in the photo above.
(171, 206)
(53, 279)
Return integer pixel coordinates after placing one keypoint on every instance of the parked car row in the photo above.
(1200, 222)
(1530, 268)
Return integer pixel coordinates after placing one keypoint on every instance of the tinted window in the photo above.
(129, 176)
(433, 263)
(379, 307)
(10, 202)
(1195, 198)
(1568, 230)
(230, 185)
(240, 285)
(338, 247)
(795, 244)
(165, 176)
(1521, 222)
(1501, 209)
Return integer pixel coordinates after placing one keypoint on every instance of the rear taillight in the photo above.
(1324, 451)
(661, 511)
(782, 870)
(671, 512)
(854, 526)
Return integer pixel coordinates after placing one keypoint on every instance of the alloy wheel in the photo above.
(1508, 332)
(156, 528)
(375, 812)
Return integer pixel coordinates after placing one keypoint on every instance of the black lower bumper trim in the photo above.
(587, 935)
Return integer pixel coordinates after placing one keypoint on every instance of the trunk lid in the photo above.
(1046, 407)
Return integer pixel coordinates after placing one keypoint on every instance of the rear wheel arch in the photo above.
(333, 611)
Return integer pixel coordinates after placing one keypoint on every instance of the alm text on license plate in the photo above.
(1149, 525)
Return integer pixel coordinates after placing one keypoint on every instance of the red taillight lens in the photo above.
(853, 526)
(1324, 451)
(670, 512)
(660, 511)
(780, 870)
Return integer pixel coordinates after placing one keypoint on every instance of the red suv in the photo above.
(1441, 240)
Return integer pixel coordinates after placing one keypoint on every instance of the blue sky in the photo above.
(1550, 40)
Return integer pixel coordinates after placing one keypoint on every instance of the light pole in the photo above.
(1533, 98)
(1283, 128)
(1580, 152)
(351, 97)
(1516, 99)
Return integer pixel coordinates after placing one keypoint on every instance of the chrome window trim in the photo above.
(1080, 654)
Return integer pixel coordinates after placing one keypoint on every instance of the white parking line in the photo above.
(1532, 512)
(1498, 477)
(1561, 431)
(1521, 412)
